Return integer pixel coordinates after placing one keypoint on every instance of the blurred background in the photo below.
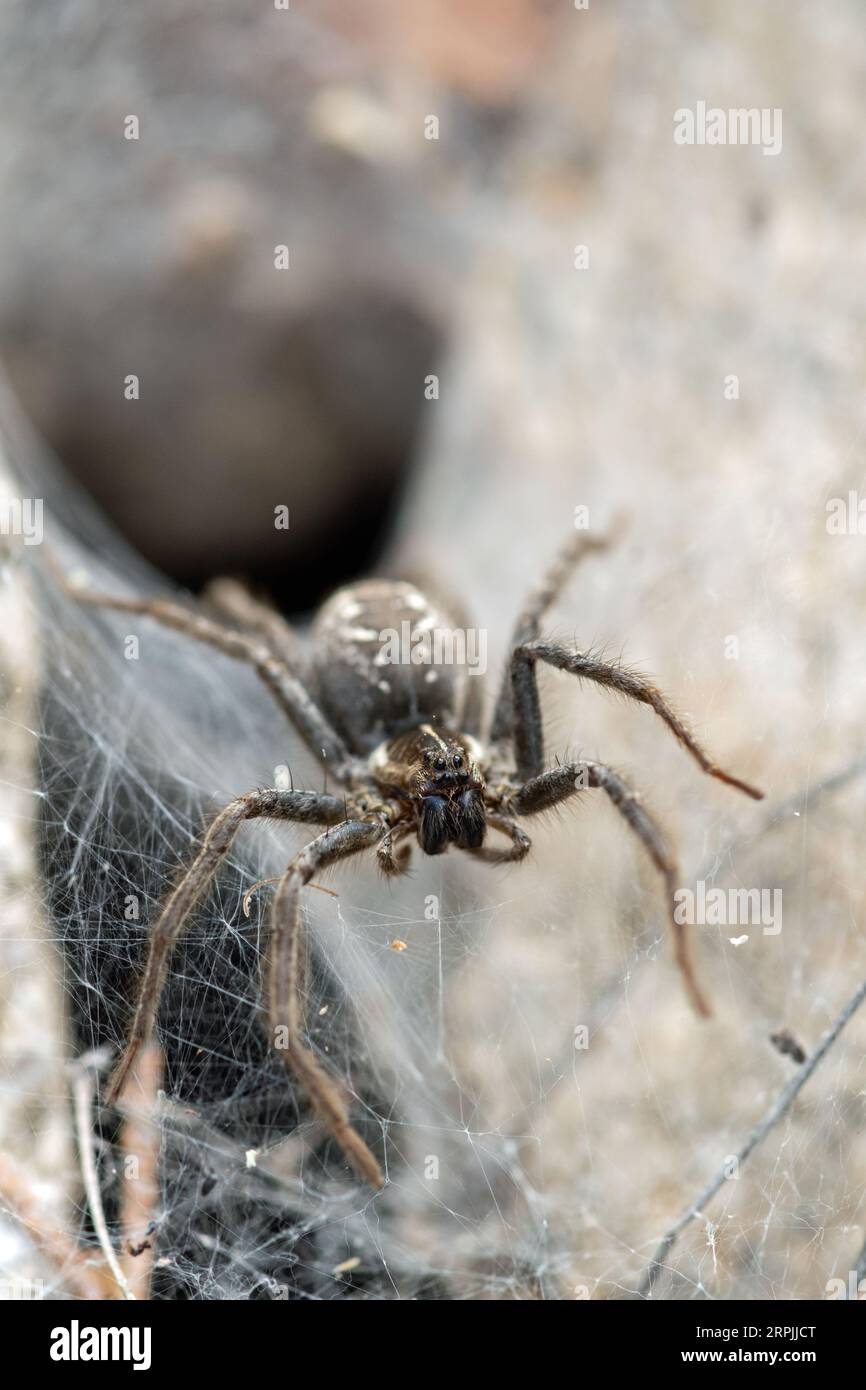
(508, 293)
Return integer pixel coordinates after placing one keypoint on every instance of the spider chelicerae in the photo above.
(413, 756)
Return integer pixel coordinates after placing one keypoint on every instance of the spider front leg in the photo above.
(550, 788)
(309, 807)
(285, 1012)
(528, 733)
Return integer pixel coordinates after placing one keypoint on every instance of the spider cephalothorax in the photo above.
(437, 774)
(380, 702)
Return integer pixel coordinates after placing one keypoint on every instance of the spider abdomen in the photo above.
(383, 661)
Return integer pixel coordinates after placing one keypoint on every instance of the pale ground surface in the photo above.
(605, 387)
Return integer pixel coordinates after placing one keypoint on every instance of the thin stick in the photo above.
(758, 1134)
(139, 1140)
(783, 811)
(262, 882)
(83, 1091)
(55, 1245)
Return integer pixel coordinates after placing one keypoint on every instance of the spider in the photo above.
(409, 748)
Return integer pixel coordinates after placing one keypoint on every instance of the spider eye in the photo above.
(439, 764)
(457, 760)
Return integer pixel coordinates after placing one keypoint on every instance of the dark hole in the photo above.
(317, 413)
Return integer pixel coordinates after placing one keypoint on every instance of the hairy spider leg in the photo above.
(234, 601)
(550, 788)
(528, 624)
(528, 732)
(308, 807)
(393, 856)
(520, 842)
(284, 995)
(287, 690)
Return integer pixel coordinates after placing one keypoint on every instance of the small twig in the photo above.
(260, 883)
(139, 1142)
(801, 800)
(758, 1134)
(82, 1092)
(782, 812)
(55, 1245)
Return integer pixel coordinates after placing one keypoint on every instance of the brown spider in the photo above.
(404, 741)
